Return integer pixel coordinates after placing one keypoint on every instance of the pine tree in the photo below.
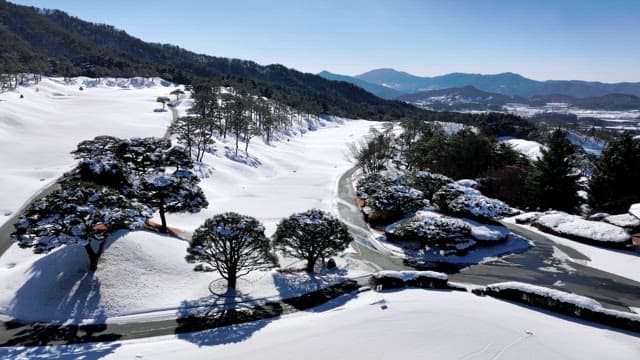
(311, 235)
(78, 213)
(614, 183)
(232, 244)
(177, 192)
(553, 179)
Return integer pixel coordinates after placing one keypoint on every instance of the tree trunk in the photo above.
(311, 264)
(163, 219)
(94, 256)
(231, 282)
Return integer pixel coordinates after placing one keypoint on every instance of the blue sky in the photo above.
(561, 39)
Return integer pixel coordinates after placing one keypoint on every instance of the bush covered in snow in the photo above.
(449, 192)
(565, 303)
(627, 221)
(527, 218)
(428, 182)
(392, 203)
(480, 207)
(463, 201)
(398, 279)
(433, 231)
(576, 228)
(370, 183)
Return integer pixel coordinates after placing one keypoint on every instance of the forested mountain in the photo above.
(379, 90)
(52, 42)
(463, 98)
(470, 98)
(509, 84)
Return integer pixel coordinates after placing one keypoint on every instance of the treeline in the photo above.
(553, 181)
(226, 112)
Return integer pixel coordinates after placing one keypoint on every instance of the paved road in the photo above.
(611, 290)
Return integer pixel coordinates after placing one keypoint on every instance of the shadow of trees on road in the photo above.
(230, 318)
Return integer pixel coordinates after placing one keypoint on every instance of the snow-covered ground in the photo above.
(589, 144)
(140, 272)
(141, 276)
(621, 263)
(294, 174)
(39, 130)
(407, 324)
(530, 149)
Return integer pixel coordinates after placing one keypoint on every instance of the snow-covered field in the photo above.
(407, 324)
(295, 174)
(39, 130)
(140, 272)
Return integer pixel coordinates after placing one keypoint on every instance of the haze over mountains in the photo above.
(497, 86)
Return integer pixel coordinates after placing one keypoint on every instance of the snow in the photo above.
(590, 144)
(407, 324)
(480, 206)
(621, 263)
(487, 233)
(623, 220)
(40, 130)
(562, 296)
(468, 183)
(293, 175)
(530, 149)
(578, 300)
(140, 273)
(635, 210)
(143, 273)
(574, 225)
(410, 275)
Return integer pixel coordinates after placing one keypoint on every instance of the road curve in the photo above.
(536, 266)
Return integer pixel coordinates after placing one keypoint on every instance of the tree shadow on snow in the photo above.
(217, 320)
(241, 157)
(60, 290)
(79, 351)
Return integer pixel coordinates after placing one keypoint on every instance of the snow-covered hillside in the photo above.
(407, 324)
(530, 149)
(143, 272)
(38, 131)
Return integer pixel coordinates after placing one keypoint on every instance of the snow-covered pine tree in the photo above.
(79, 213)
(232, 244)
(311, 235)
(176, 192)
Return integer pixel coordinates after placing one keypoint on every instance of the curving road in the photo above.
(611, 290)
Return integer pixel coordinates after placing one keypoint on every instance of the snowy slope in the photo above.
(530, 149)
(408, 324)
(294, 174)
(38, 131)
(143, 272)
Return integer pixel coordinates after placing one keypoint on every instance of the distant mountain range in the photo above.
(470, 98)
(517, 87)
